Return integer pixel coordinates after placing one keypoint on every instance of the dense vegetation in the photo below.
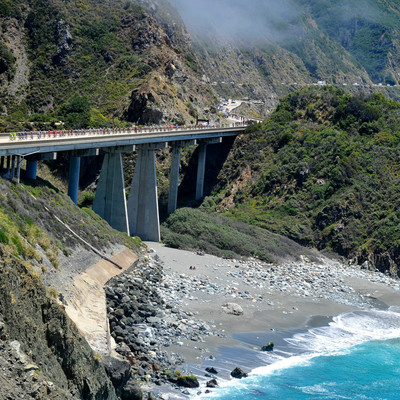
(195, 229)
(367, 29)
(31, 224)
(74, 50)
(79, 61)
(323, 170)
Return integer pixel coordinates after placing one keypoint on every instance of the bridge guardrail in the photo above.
(24, 135)
(86, 141)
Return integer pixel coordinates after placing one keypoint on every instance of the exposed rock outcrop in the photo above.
(46, 338)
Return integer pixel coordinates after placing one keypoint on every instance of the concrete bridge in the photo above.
(139, 215)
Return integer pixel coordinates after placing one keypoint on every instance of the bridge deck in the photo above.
(32, 143)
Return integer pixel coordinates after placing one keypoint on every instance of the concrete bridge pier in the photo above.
(12, 167)
(31, 169)
(174, 174)
(2, 162)
(201, 165)
(19, 159)
(144, 220)
(31, 163)
(8, 165)
(73, 182)
(74, 170)
(110, 200)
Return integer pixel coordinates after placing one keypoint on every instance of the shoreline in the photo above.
(302, 295)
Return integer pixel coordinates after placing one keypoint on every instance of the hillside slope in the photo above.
(42, 354)
(96, 63)
(323, 170)
(265, 50)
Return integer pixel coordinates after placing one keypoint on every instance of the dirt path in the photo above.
(88, 307)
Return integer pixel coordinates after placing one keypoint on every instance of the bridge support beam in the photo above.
(144, 220)
(201, 166)
(12, 167)
(74, 170)
(8, 165)
(174, 174)
(2, 162)
(31, 169)
(19, 159)
(110, 200)
(73, 183)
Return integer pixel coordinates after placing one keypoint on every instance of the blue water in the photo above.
(356, 357)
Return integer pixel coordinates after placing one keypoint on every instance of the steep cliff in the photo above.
(51, 359)
(95, 63)
(265, 50)
(43, 354)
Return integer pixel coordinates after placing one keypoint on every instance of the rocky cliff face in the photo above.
(46, 356)
(131, 60)
(267, 50)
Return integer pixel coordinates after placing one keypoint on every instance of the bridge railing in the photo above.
(58, 133)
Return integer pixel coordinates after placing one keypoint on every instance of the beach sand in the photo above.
(269, 314)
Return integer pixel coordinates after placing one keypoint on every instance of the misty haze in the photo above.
(264, 20)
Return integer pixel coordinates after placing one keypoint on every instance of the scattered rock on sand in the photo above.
(268, 347)
(238, 373)
(212, 383)
(212, 370)
(232, 308)
(189, 381)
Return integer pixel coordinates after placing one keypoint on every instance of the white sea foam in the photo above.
(344, 332)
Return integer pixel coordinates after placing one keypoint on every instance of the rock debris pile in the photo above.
(143, 320)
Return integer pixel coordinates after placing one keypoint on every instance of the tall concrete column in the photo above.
(31, 169)
(12, 167)
(174, 173)
(110, 201)
(73, 183)
(143, 214)
(201, 167)
(2, 162)
(174, 179)
(19, 159)
(8, 165)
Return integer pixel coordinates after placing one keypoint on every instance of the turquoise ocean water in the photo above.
(357, 356)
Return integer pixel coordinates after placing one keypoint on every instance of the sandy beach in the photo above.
(270, 302)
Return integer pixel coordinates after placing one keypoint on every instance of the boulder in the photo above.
(118, 371)
(131, 391)
(212, 383)
(189, 381)
(232, 308)
(268, 347)
(238, 373)
(212, 370)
